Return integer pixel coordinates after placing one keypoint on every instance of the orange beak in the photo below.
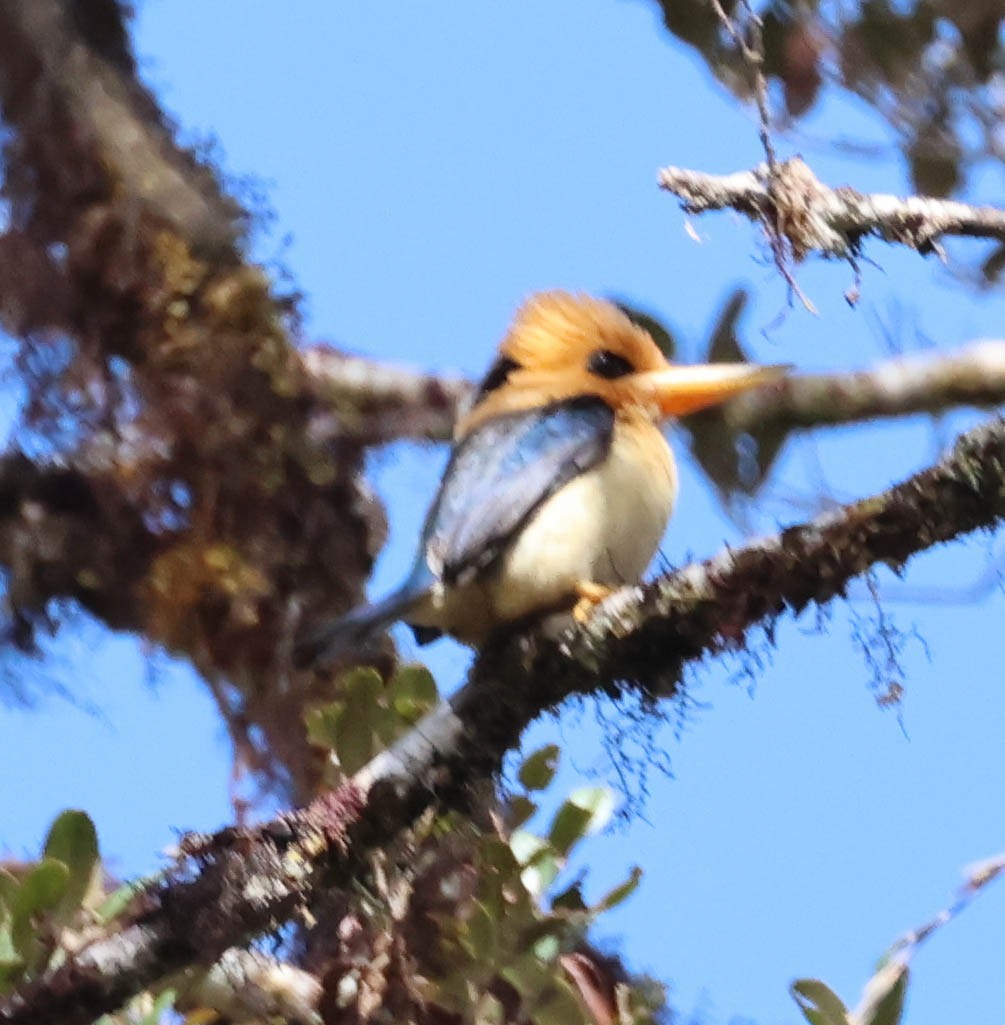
(679, 390)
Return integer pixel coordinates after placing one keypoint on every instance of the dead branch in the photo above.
(236, 884)
(810, 216)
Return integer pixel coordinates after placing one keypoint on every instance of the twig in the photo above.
(811, 216)
(978, 877)
(971, 376)
(377, 402)
(753, 56)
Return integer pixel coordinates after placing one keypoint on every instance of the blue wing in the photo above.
(497, 478)
(500, 475)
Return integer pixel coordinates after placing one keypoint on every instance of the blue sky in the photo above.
(432, 165)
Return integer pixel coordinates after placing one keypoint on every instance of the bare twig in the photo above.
(753, 56)
(377, 402)
(970, 376)
(811, 216)
(236, 884)
(978, 877)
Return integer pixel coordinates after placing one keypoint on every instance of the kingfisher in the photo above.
(560, 483)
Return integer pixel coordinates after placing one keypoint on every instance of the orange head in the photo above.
(562, 346)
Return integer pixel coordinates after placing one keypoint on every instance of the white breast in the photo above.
(604, 526)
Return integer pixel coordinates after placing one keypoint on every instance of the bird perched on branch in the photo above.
(560, 483)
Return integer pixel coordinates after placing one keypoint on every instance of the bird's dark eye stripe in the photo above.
(605, 363)
(497, 376)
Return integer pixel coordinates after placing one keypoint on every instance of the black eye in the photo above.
(497, 376)
(610, 365)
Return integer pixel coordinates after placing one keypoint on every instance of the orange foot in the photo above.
(590, 595)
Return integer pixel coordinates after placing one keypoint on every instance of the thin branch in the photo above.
(394, 403)
(971, 376)
(378, 402)
(979, 876)
(811, 216)
(753, 56)
(241, 882)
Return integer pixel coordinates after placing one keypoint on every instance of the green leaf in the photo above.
(42, 890)
(9, 886)
(621, 893)
(819, 1003)
(519, 810)
(9, 957)
(883, 998)
(547, 947)
(358, 729)
(586, 810)
(538, 769)
(490, 1010)
(540, 862)
(560, 1007)
(528, 975)
(482, 934)
(526, 846)
(73, 840)
(321, 722)
(163, 1004)
(10, 976)
(413, 692)
(119, 899)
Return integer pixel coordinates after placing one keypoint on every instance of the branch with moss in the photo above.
(235, 885)
(794, 205)
(185, 385)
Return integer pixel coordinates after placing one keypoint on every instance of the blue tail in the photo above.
(355, 631)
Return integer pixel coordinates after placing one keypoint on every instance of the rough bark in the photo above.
(194, 501)
(237, 884)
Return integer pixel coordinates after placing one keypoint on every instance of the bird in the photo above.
(560, 483)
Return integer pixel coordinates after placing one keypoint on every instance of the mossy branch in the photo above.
(235, 885)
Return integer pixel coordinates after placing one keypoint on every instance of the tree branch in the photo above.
(390, 403)
(971, 376)
(249, 986)
(75, 59)
(202, 436)
(811, 216)
(237, 884)
(378, 402)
